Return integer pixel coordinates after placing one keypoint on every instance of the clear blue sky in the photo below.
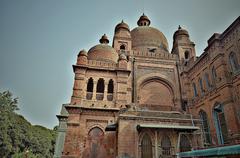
(40, 39)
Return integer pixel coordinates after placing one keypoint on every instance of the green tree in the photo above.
(17, 135)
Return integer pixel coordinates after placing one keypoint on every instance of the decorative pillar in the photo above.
(156, 144)
(94, 89)
(105, 90)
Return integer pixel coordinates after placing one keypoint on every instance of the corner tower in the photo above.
(122, 37)
(183, 46)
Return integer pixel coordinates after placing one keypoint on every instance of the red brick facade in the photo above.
(137, 100)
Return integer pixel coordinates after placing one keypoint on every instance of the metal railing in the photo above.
(166, 152)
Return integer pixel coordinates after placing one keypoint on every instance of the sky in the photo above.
(40, 40)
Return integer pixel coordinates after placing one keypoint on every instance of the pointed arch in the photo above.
(233, 62)
(205, 126)
(185, 144)
(100, 89)
(220, 123)
(206, 77)
(166, 145)
(122, 47)
(89, 89)
(201, 85)
(214, 74)
(195, 89)
(94, 147)
(146, 146)
(110, 90)
(150, 88)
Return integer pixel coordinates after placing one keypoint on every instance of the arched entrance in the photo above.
(146, 147)
(94, 146)
(155, 94)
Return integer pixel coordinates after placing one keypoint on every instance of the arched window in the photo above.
(233, 62)
(122, 47)
(195, 90)
(100, 89)
(166, 145)
(90, 85)
(220, 123)
(185, 144)
(206, 76)
(205, 126)
(201, 85)
(110, 90)
(89, 89)
(110, 86)
(146, 145)
(100, 86)
(186, 54)
(214, 74)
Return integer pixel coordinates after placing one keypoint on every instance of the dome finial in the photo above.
(179, 27)
(104, 39)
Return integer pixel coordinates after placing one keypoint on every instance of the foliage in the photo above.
(18, 136)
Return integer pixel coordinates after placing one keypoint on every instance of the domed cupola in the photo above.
(145, 37)
(183, 46)
(103, 52)
(122, 26)
(122, 37)
(180, 32)
(143, 21)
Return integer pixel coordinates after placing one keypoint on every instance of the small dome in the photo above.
(82, 53)
(180, 31)
(104, 39)
(122, 25)
(103, 51)
(143, 21)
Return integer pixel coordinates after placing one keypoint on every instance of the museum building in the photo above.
(136, 99)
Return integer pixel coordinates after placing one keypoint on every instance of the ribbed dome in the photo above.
(148, 37)
(103, 52)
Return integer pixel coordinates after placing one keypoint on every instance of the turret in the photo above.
(183, 46)
(82, 58)
(122, 37)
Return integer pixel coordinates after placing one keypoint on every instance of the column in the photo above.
(105, 90)
(94, 89)
(156, 144)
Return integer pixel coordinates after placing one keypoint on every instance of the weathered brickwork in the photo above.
(135, 99)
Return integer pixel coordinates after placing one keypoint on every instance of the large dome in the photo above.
(103, 51)
(145, 36)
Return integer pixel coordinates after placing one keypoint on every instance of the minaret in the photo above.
(122, 41)
(183, 46)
